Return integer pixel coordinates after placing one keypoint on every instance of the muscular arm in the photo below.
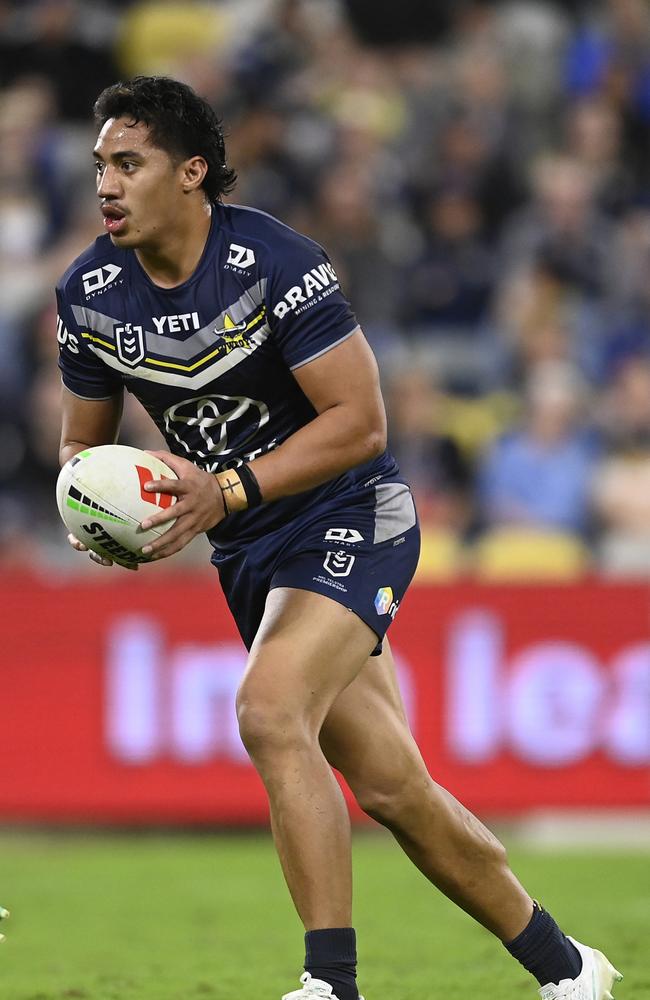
(349, 429)
(343, 387)
(87, 422)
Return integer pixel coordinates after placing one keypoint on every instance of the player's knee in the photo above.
(384, 802)
(266, 726)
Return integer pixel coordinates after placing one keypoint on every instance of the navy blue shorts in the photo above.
(359, 548)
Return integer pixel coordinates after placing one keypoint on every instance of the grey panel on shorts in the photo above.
(394, 511)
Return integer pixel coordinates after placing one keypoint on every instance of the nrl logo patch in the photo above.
(339, 563)
(129, 342)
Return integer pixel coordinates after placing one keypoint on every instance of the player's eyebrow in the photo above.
(122, 154)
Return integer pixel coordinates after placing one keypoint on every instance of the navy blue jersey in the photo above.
(212, 359)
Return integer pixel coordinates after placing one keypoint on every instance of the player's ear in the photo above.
(193, 172)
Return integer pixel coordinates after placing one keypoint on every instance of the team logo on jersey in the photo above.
(129, 342)
(241, 257)
(99, 279)
(232, 334)
(350, 535)
(216, 425)
(339, 563)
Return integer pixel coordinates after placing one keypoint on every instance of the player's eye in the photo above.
(99, 166)
(128, 166)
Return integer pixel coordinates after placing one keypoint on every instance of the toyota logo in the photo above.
(215, 425)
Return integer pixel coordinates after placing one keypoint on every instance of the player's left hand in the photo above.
(199, 505)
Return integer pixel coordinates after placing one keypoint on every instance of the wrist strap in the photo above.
(239, 489)
(251, 485)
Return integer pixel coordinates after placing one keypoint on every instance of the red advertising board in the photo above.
(117, 698)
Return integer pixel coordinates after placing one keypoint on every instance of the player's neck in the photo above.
(174, 258)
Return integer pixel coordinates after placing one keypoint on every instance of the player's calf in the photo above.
(449, 845)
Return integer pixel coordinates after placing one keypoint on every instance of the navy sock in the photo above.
(331, 955)
(544, 950)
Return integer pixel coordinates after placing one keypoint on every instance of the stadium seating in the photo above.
(521, 554)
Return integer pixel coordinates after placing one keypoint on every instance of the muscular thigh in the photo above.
(308, 648)
(366, 735)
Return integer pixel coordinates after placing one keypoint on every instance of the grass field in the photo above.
(153, 917)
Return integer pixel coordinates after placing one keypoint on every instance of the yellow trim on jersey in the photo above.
(208, 357)
(98, 340)
(172, 364)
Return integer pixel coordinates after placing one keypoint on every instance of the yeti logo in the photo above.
(339, 563)
(216, 425)
(129, 341)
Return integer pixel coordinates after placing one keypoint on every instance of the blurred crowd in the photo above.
(480, 177)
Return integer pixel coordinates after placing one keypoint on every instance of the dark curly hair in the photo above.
(179, 121)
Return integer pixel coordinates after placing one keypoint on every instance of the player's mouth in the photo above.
(114, 219)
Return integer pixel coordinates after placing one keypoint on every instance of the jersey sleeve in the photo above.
(308, 312)
(82, 372)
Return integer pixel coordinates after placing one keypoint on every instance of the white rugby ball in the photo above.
(101, 498)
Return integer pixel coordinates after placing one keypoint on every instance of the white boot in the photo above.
(312, 989)
(595, 981)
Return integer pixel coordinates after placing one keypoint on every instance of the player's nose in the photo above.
(108, 183)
